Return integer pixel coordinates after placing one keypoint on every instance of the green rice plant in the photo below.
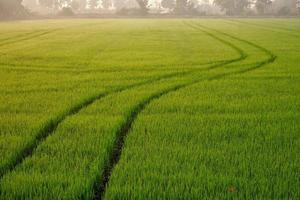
(75, 172)
(63, 92)
(148, 109)
(226, 138)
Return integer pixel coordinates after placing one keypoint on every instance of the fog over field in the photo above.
(22, 8)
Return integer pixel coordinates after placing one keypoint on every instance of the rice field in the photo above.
(150, 109)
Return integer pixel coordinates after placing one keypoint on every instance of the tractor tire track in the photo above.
(19, 36)
(37, 33)
(69, 69)
(80, 82)
(12, 38)
(51, 125)
(31, 36)
(126, 127)
(271, 56)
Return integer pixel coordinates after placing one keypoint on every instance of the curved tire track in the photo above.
(68, 69)
(74, 86)
(126, 127)
(51, 125)
(271, 56)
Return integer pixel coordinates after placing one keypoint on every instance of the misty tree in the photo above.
(232, 7)
(262, 5)
(170, 4)
(186, 6)
(181, 6)
(53, 4)
(11, 8)
(143, 4)
(119, 4)
(196, 2)
(106, 4)
(132, 4)
(93, 4)
(193, 4)
(285, 7)
(47, 3)
(29, 3)
(82, 4)
(75, 5)
(62, 3)
(65, 3)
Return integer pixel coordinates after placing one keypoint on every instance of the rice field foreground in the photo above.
(150, 109)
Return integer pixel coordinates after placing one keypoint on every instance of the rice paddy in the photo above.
(150, 109)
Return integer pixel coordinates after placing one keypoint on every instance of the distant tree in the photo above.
(75, 5)
(131, 4)
(119, 4)
(12, 8)
(93, 4)
(241, 5)
(47, 3)
(197, 2)
(54, 4)
(65, 3)
(143, 4)
(181, 6)
(232, 7)
(170, 4)
(192, 6)
(285, 7)
(66, 11)
(185, 6)
(82, 4)
(106, 4)
(29, 3)
(262, 5)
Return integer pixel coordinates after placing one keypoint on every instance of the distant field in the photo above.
(150, 109)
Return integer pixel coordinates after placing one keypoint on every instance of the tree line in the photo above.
(12, 8)
(261, 7)
(142, 7)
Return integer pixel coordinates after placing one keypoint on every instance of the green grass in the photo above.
(172, 109)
